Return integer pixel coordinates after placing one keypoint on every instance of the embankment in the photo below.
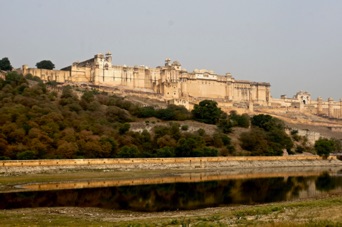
(210, 163)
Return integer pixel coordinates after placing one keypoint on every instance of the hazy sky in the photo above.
(293, 44)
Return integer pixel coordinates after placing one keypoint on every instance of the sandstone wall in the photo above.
(220, 164)
(187, 161)
(48, 75)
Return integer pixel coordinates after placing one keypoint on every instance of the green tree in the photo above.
(166, 152)
(116, 114)
(186, 146)
(185, 127)
(87, 100)
(124, 128)
(189, 146)
(337, 144)
(224, 123)
(128, 152)
(207, 112)
(145, 112)
(5, 64)
(255, 141)
(27, 155)
(204, 152)
(233, 117)
(45, 64)
(236, 119)
(244, 121)
(267, 122)
(88, 96)
(15, 78)
(166, 141)
(143, 141)
(324, 147)
(173, 112)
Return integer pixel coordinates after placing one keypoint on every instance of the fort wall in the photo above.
(59, 76)
(171, 81)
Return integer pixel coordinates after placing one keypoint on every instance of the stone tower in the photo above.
(330, 107)
(319, 105)
(109, 57)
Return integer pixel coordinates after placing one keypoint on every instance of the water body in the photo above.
(179, 196)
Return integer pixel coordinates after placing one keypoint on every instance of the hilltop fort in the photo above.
(173, 84)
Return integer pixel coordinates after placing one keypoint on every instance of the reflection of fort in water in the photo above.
(176, 178)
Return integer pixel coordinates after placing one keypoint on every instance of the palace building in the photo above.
(175, 85)
(171, 81)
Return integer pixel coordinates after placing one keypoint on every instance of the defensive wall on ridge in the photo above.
(170, 80)
(175, 85)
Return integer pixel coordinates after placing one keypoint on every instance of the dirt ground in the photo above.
(311, 212)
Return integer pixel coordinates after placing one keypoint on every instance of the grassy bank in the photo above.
(316, 212)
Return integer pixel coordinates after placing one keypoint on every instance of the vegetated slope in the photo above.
(36, 122)
(308, 121)
(39, 122)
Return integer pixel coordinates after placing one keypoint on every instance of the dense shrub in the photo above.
(324, 147)
(165, 152)
(128, 152)
(27, 155)
(267, 137)
(185, 127)
(207, 112)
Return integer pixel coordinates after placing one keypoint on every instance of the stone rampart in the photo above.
(32, 166)
(82, 162)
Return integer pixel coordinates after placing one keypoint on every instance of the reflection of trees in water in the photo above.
(325, 182)
(265, 190)
(172, 196)
(299, 184)
(179, 196)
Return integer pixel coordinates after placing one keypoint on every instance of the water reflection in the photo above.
(182, 196)
(325, 182)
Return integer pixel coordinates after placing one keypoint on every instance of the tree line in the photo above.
(6, 65)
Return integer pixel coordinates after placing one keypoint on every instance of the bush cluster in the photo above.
(267, 137)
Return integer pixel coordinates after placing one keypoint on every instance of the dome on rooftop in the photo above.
(176, 63)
